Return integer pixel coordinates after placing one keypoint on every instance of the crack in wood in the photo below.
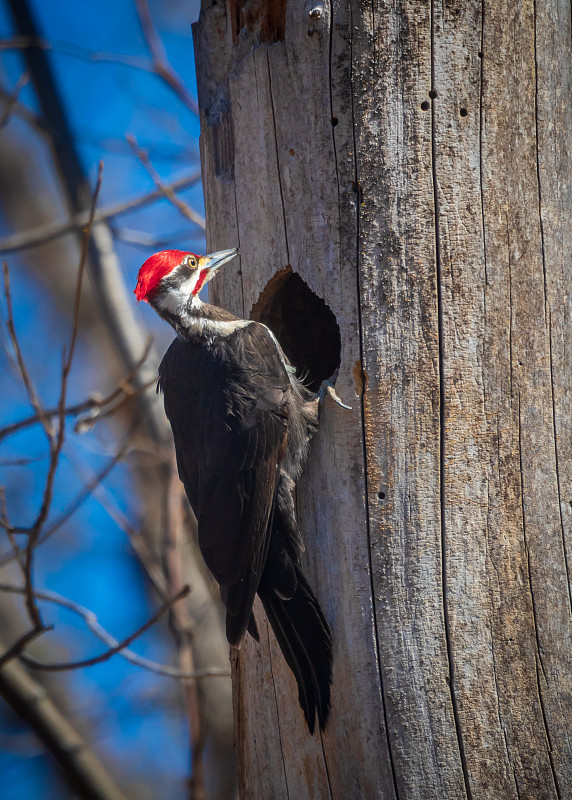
(442, 417)
(502, 726)
(538, 655)
(238, 243)
(363, 422)
(277, 156)
(556, 459)
(277, 712)
(539, 183)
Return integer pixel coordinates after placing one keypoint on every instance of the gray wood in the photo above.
(411, 163)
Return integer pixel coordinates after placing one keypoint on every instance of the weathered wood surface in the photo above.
(410, 161)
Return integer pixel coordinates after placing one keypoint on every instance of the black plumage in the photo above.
(242, 423)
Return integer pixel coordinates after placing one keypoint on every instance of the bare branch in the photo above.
(92, 623)
(21, 643)
(174, 515)
(148, 240)
(19, 555)
(21, 462)
(23, 370)
(5, 521)
(53, 230)
(90, 405)
(35, 121)
(57, 442)
(76, 51)
(186, 210)
(90, 662)
(83, 770)
(13, 99)
(86, 492)
(161, 66)
(175, 153)
(86, 422)
(77, 299)
(90, 487)
(148, 561)
(111, 294)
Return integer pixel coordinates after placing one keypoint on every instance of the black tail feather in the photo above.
(305, 639)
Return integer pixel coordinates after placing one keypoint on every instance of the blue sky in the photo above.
(138, 725)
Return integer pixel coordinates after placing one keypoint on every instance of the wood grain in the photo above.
(410, 161)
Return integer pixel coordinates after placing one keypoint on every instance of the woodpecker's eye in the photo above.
(192, 262)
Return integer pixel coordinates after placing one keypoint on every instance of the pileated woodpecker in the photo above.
(242, 424)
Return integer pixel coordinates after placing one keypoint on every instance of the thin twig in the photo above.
(20, 644)
(88, 421)
(92, 623)
(149, 562)
(174, 531)
(86, 775)
(90, 662)
(34, 120)
(19, 554)
(52, 230)
(92, 403)
(90, 487)
(161, 66)
(21, 462)
(57, 442)
(22, 368)
(76, 51)
(85, 493)
(161, 151)
(186, 210)
(4, 508)
(13, 99)
(77, 299)
(147, 240)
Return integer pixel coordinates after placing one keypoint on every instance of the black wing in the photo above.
(228, 407)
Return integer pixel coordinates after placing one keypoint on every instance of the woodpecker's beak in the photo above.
(214, 261)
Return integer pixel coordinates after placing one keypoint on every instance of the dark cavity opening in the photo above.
(463, 112)
(425, 105)
(303, 324)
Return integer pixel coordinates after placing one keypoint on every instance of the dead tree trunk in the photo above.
(409, 163)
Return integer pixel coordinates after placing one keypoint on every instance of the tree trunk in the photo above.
(410, 162)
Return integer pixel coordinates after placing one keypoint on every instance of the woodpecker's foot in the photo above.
(327, 387)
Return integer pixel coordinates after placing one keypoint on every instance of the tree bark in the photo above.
(410, 162)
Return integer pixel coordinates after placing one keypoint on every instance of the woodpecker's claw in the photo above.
(327, 387)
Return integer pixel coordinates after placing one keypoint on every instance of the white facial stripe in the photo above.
(180, 304)
(216, 328)
(176, 301)
(187, 287)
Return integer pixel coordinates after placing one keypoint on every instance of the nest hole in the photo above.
(303, 324)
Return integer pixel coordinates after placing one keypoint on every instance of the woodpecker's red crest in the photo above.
(157, 267)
